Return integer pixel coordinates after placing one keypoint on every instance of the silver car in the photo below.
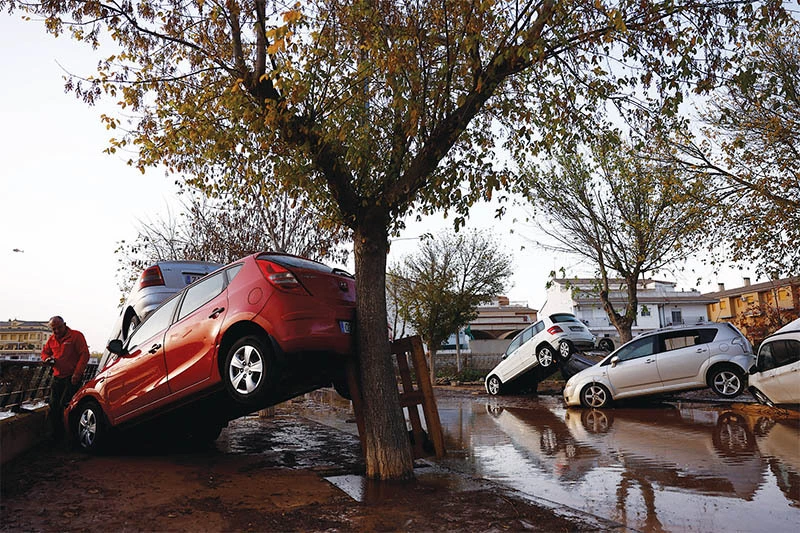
(673, 359)
(775, 378)
(531, 355)
(155, 284)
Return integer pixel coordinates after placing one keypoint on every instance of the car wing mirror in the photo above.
(753, 370)
(614, 361)
(116, 347)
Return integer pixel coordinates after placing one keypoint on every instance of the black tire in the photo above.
(761, 397)
(89, 429)
(494, 385)
(726, 381)
(545, 356)
(249, 371)
(130, 324)
(342, 388)
(606, 345)
(595, 395)
(565, 350)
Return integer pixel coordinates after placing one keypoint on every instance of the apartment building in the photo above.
(22, 340)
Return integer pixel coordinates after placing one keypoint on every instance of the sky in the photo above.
(66, 205)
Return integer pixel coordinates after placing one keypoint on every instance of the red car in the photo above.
(252, 334)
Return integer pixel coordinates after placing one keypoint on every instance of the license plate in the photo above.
(191, 278)
(345, 326)
(576, 328)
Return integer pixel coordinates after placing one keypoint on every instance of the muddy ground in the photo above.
(262, 474)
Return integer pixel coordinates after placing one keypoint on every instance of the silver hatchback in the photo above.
(714, 355)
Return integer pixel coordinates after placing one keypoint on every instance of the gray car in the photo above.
(673, 359)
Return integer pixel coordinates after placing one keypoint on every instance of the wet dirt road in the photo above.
(678, 466)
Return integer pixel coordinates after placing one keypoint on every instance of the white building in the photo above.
(659, 304)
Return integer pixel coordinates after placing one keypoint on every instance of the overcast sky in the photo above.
(66, 204)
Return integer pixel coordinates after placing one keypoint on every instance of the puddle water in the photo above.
(654, 468)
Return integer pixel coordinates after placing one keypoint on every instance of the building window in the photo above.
(677, 316)
(645, 311)
(723, 304)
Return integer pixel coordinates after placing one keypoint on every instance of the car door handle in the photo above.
(216, 312)
(154, 348)
(649, 361)
(701, 350)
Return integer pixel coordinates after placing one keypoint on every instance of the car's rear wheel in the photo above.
(595, 395)
(564, 350)
(249, 370)
(726, 381)
(761, 397)
(89, 427)
(494, 386)
(606, 345)
(545, 356)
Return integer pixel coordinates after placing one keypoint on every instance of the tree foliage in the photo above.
(750, 154)
(442, 284)
(622, 212)
(376, 109)
(223, 230)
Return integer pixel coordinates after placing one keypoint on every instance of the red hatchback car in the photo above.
(252, 334)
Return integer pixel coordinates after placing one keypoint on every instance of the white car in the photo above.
(673, 359)
(531, 355)
(775, 378)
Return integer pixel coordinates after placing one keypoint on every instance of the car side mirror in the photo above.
(753, 370)
(614, 361)
(115, 346)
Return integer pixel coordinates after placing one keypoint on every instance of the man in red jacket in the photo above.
(67, 350)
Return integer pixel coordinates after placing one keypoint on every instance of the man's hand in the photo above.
(76, 380)
(50, 361)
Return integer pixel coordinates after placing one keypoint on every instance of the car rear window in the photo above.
(563, 317)
(297, 262)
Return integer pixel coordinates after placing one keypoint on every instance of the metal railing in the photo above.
(28, 381)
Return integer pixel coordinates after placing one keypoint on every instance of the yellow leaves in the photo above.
(293, 15)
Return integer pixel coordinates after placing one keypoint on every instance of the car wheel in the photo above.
(761, 397)
(595, 421)
(606, 345)
(564, 350)
(595, 395)
(726, 381)
(494, 386)
(545, 356)
(248, 370)
(132, 322)
(342, 388)
(89, 427)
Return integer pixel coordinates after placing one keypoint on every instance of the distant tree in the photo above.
(224, 230)
(441, 285)
(750, 154)
(375, 110)
(623, 213)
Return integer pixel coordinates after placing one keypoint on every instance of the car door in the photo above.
(139, 379)
(192, 339)
(633, 367)
(779, 365)
(525, 356)
(789, 371)
(684, 353)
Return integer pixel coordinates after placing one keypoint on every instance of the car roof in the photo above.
(791, 327)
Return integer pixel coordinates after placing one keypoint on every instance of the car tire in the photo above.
(342, 388)
(606, 345)
(89, 428)
(545, 356)
(761, 397)
(726, 381)
(130, 324)
(249, 371)
(595, 395)
(564, 350)
(494, 386)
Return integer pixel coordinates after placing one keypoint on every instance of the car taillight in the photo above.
(150, 277)
(552, 330)
(279, 276)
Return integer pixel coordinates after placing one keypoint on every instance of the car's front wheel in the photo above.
(494, 386)
(89, 427)
(545, 356)
(726, 381)
(761, 397)
(595, 395)
(607, 345)
(249, 370)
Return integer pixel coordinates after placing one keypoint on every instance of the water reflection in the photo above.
(653, 468)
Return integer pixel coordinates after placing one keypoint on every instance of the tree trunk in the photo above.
(433, 366)
(458, 352)
(388, 449)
